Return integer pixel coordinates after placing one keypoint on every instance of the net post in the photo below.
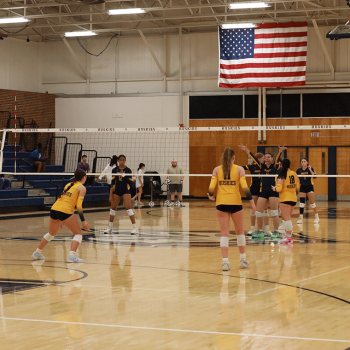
(2, 149)
(15, 170)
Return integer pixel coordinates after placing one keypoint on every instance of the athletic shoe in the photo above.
(181, 205)
(135, 202)
(38, 256)
(243, 263)
(225, 266)
(140, 203)
(74, 259)
(250, 233)
(108, 231)
(135, 231)
(258, 235)
(171, 204)
(275, 235)
(317, 220)
(281, 228)
(286, 241)
(267, 233)
(300, 221)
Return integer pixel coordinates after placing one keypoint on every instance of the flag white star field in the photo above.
(270, 55)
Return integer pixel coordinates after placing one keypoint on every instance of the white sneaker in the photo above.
(300, 221)
(171, 204)
(225, 266)
(243, 263)
(108, 231)
(74, 259)
(135, 231)
(268, 232)
(317, 220)
(250, 233)
(38, 256)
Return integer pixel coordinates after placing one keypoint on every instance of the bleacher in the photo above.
(38, 192)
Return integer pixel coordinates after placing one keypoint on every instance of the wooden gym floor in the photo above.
(165, 289)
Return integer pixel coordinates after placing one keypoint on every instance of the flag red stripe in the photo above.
(282, 25)
(263, 65)
(238, 86)
(280, 54)
(271, 46)
(280, 35)
(262, 75)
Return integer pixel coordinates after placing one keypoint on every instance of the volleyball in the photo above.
(167, 181)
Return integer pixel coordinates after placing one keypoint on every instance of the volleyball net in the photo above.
(154, 147)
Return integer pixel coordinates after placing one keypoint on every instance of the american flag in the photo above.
(270, 55)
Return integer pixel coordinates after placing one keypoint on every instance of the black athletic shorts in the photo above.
(175, 187)
(290, 203)
(255, 189)
(306, 188)
(268, 194)
(58, 215)
(121, 192)
(229, 208)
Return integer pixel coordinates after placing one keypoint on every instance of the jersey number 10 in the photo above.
(292, 179)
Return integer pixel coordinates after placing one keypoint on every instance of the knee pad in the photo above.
(224, 241)
(288, 225)
(48, 237)
(266, 213)
(112, 212)
(274, 212)
(259, 214)
(252, 214)
(241, 240)
(313, 205)
(302, 203)
(130, 212)
(78, 238)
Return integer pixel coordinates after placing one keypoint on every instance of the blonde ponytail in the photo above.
(226, 161)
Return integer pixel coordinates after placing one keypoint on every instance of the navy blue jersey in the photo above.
(119, 182)
(254, 170)
(306, 181)
(267, 182)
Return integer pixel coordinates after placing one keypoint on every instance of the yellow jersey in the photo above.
(69, 198)
(290, 186)
(228, 189)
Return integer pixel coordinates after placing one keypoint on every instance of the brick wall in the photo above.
(31, 107)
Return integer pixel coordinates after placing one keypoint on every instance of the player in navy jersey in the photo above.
(266, 194)
(121, 188)
(255, 169)
(307, 189)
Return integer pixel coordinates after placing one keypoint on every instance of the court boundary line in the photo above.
(175, 330)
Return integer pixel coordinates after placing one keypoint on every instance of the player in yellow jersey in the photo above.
(62, 214)
(226, 178)
(288, 186)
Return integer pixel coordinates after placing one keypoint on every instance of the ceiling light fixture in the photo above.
(130, 11)
(13, 20)
(85, 33)
(248, 5)
(238, 25)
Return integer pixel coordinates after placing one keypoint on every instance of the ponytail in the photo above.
(114, 161)
(226, 161)
(78, 176)
(140, 166)
(285, 167)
